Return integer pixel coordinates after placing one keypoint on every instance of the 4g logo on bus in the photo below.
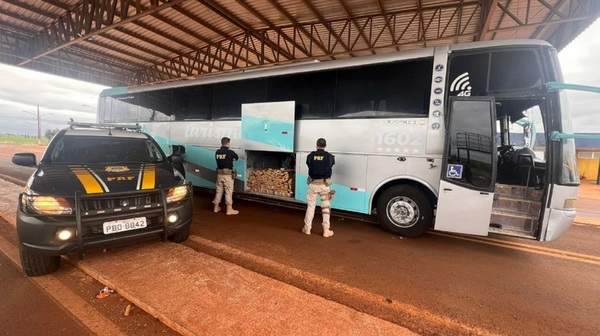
(462, 85)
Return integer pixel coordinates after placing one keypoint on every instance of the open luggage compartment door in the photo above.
(269, 126)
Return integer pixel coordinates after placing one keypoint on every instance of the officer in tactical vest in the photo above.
(319, 184)
(225, 176)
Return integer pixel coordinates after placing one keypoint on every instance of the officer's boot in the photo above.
(217, 208)
(231, 211)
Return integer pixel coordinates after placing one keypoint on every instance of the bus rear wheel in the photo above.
(404, 210)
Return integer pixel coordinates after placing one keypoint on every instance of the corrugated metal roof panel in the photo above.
(202, 31)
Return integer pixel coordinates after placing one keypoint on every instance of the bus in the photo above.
(437, 138)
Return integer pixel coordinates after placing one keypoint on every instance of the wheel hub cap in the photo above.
(403, 211)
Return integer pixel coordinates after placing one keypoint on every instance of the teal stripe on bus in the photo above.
(345, 199)
(114, 91)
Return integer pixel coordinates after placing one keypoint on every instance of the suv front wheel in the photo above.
(35, 264)
(182, 235)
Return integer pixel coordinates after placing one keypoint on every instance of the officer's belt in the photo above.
(317, 181)
(224, 171)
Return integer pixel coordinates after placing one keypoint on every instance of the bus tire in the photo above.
(35, 264)
(404, 210)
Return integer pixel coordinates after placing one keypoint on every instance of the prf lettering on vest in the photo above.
(319, 158)
(221, 156)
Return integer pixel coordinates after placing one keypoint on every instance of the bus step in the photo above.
(518, 191)
(512, 233)
(513, 222)
(517, 206)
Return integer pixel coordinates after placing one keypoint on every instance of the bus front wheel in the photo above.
(404, 210)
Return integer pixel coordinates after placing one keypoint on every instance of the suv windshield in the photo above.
(82, 149)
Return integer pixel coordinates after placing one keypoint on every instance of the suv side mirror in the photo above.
(24, 159)
(178, 149)
(176, 158)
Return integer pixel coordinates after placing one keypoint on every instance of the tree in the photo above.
(50, 133)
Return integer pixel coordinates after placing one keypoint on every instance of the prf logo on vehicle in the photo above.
(116, 169)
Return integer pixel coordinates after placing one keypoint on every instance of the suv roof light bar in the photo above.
(74, 124)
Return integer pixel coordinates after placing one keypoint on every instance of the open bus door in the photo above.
(468, 178)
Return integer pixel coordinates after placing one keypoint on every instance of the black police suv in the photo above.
(99, 186)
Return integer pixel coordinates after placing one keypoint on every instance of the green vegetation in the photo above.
(25, 139)
(21, 139)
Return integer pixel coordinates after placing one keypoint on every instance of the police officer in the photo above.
(319, 165)
(225, 176)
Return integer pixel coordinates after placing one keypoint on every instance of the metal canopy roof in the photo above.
(130, 42)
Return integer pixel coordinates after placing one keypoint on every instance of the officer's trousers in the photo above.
(224, 183)
(315, 190)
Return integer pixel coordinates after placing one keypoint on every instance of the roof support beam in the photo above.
(212, 28)
(321, 19)
(231, 18)
(356, 25)
(227, 49)
(295, 23)
(83, 23)
(273, 27)
(542, 24)
(387, 22)
(488, 12)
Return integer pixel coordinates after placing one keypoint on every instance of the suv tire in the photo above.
(182, 235)
(35, 264)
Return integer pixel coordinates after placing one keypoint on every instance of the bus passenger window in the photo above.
(193, 103)
(155, 105)
(313, 93)
(229, 96)
(399, 89)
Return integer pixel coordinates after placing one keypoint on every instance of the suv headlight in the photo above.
(48, 205)
(178, 193)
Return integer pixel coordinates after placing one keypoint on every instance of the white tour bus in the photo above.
(468, 138)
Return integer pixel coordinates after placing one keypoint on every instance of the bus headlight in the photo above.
(178, 193)
(48, 205)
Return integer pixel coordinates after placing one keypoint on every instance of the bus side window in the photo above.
(313, 93)
(193, 103)
(228, 97)
(398, 89)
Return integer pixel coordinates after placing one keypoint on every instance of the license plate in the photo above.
(124, 225)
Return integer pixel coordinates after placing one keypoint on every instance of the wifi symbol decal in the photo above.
(462, 84)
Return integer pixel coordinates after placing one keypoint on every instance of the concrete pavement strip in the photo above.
(197, 294)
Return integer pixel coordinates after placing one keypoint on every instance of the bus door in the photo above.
(268, 126)
(468, 176)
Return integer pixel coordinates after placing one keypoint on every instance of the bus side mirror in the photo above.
(24, 159)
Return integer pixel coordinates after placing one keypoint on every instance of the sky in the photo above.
(59, 98)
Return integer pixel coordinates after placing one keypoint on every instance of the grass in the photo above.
(21, 139)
